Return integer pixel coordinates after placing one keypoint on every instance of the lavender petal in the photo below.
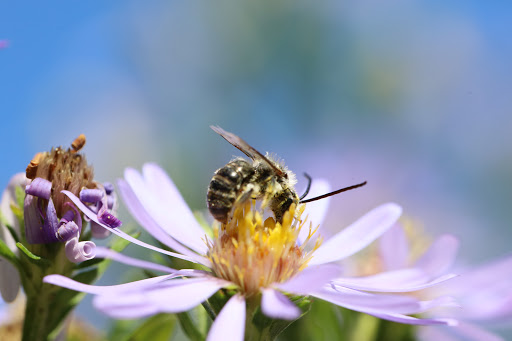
(68, 283)
(400, 318)
(67, 231)
(310, 279)
(33, 219)
(40, 188)
(144, 219)
(38, 229)
(358, 235)
(102, 252)
(440, 256)
(230, 323)
(394, 248)
(98, 232)
(91, 196)
(79, 251)
(365, 302)
(171, 296)
(278, 306)
(92, 216)
(406, 280)
(163, 202)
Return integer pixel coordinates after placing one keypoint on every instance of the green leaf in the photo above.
(39, 261)
(18, 212)
(156, 328)
(189, 327)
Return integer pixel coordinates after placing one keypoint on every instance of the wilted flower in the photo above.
(52, 239)
(252, 256)
(49, 216)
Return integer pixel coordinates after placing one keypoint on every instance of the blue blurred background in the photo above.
(413, 96)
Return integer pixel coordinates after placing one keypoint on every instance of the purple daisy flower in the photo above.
(484, 293)
(255, 257)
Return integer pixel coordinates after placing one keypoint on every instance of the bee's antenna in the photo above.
(307, 188)
(332, 193)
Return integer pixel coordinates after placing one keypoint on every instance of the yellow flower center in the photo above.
(254, 253)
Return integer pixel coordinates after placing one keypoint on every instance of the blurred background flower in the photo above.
(413, 97)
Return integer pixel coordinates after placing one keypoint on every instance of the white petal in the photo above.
(278, 306)
(230, 323)
(358, 235)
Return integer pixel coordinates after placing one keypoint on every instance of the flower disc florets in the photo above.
(254, 253)
(66, 169)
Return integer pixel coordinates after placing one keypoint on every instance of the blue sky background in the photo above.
(413, 96)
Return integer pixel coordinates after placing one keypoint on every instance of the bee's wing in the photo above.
(245, 148)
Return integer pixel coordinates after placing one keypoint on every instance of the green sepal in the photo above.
(13, 233)
(39, 261)
(9, 255)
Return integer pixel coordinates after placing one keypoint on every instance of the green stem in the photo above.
(209, 310)
(42, 312)
(189, 327)
(252, 331)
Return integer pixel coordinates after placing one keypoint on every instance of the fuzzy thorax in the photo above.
(254, 253)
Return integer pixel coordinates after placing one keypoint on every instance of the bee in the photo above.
(262, 177)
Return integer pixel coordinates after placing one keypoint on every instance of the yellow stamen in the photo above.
(253, 253)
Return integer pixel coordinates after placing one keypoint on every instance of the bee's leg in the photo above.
(243, 197)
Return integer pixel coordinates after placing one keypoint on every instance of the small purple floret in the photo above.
(67, 231)
(109, 219)
(40, 188)
(91, 195)
(109, 188)
(67, 217)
